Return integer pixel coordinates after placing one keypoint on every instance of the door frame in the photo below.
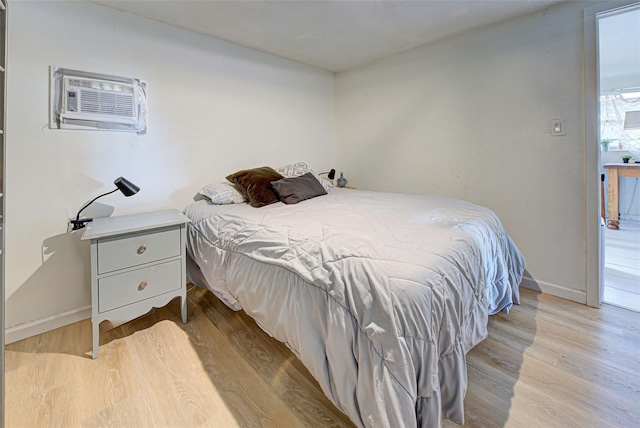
(594, 236)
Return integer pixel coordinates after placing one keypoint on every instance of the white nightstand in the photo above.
(137, 264)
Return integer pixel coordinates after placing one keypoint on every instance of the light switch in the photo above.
(558, 127)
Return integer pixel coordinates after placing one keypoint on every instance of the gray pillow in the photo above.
(301, 168)
(295, 189)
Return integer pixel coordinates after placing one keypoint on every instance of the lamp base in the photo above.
(79, 224)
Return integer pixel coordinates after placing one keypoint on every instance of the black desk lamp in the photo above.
(122, 184)
(331, 174)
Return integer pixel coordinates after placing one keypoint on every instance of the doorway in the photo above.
(619, 138)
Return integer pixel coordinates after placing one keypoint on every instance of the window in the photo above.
(613, 106)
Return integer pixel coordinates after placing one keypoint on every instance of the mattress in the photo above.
(380, 295)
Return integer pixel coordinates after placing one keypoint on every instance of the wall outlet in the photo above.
(557, 127)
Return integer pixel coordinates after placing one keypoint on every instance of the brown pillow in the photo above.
(255, 185)
(295, 189)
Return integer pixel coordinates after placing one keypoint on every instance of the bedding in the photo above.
(300, 168)
(255, 185)
(296, 189)
(222, 193)
(379, 295)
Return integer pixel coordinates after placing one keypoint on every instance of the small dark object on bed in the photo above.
(295, 189)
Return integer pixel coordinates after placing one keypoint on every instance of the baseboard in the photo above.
(33, 328)
(578, 296)
(28, 329)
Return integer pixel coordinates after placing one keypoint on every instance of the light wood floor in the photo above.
(550, 363)
(622, 265)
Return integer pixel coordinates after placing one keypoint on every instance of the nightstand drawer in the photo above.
(133, 250)
(130, 287)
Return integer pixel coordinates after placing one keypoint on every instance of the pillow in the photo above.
(222, 194)
(295, 189)
(301, 168)
(255, 185)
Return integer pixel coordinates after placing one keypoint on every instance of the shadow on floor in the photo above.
(256, 377)
(493, 366)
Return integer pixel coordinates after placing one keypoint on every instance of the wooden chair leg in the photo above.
(611, 224)
(602, 211)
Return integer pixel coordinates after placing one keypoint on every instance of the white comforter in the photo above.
(380, 295)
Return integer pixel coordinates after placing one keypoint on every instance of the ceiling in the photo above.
(333, 35)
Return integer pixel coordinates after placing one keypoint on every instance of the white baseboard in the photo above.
(28, 329)
(23, 331)
(574, 295)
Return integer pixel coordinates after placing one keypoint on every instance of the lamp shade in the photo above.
(125, 186)
(632, 120)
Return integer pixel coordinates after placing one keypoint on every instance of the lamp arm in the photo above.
(92, 201)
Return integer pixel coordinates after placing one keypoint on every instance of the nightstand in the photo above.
(137, 264)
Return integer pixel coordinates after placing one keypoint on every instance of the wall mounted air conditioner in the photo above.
(89, 99)
(83, 100)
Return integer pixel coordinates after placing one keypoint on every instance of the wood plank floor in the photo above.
(622, 265)
(549, 363)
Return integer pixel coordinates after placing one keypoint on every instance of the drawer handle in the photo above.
(142, 285)
(142, 249)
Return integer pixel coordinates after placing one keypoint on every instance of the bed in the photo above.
(379, 295)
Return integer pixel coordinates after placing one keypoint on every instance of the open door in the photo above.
(612, 93)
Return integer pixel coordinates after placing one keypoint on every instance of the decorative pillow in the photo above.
(255, 185)
(295, 189)
(222, 194)
(301, 168)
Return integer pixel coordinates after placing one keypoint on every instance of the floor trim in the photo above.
(578, 296)
(28, 329)
(33, 328)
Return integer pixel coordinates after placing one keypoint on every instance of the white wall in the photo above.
(214, 108)
(468, 117)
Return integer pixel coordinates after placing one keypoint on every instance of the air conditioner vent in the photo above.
(90, 102)
(106, 103)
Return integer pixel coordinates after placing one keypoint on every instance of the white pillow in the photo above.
(222, 194)
(301, 168)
